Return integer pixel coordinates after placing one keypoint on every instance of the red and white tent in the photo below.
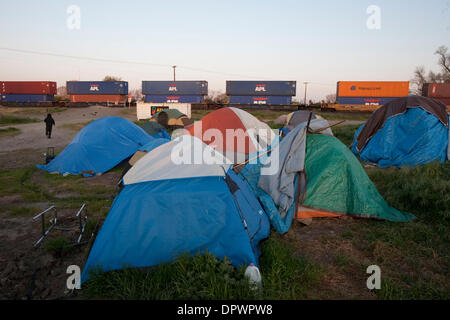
(234, 132)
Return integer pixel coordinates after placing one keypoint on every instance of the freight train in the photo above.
(272, 95)
(367, 95)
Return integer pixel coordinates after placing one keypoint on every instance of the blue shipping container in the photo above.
(261, 88)
(364, 101)
(97, 87)
(158, 98)
(20, 98)
(261, 100)
(175, 87)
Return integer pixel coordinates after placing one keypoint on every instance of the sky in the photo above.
(318, 41)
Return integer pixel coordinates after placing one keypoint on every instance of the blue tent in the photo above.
(409, 132)
(153, 221)
(99, 147)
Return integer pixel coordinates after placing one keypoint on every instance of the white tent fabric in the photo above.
(252, 123)
(184, 157)
(291, 156)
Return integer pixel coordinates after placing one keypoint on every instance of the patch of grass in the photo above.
(273, 125)
(424, 190)
(345, 133)
(9, 132)
(76, 126)
(16, 211)
(344, 115)
(190, 278)
(40, 110)
(285, 274)
(58, 246)
(414, 256)
(6, 119)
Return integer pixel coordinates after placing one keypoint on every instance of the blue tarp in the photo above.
(99, 147)
(413, 138)
(251, 174)
(153, 222)
(153, 144)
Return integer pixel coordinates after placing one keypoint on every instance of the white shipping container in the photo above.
(144, 110)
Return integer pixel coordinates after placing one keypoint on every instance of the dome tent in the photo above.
(241, 133)
(99, 147)
(167, 209)
(155, 129)
(296, 118)
(171, 118)
(326, 180)
(408, 131)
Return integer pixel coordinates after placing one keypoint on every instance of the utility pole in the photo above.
(174, 67)
(306, 86)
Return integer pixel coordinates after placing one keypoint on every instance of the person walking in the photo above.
(49, 123)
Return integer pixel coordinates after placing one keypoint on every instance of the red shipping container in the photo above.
(27, 87)
(436, 90)
(100, 98)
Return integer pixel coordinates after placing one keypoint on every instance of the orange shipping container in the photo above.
(378, 89)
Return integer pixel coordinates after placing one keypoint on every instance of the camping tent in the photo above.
(295, 118)
(408, 131)
(234, 132)
(99, 147)
(171, 118)
(323, 174)
(155, 129)
(164, 211)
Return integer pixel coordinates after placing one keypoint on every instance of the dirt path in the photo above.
(32, 135)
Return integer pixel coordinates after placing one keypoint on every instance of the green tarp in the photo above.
(337, 182)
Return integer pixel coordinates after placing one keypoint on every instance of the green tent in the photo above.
(152, 127)
(337, 183)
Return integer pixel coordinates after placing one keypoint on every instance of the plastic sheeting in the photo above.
(153, 222)
(338, 183)
(413, 138)
(99, 147)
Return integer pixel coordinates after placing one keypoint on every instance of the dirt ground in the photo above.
(32, 135)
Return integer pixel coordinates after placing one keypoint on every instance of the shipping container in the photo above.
(260, 100)
(261, 88)
(376, 89)
(97, 87)
(175, 87)
(160, 98)
(98, 98)
(27, 87)
(436, 90)
(23, 98)
(374, 101)
(147, 110)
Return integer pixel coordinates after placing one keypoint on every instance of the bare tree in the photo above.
(330, 98)
(61, 91)
(111, 78)
(444, 59)
(136, 94)
(419, 80)
(420, 76)
(222, 99)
